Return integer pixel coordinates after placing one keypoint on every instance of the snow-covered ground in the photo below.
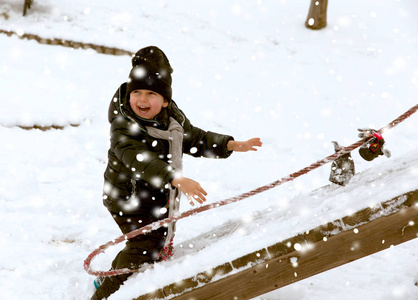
(245, 69)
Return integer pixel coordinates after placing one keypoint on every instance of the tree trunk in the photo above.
(317, 16)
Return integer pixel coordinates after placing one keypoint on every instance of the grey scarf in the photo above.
(174, 136)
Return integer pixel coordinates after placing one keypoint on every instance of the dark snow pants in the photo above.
(139, 250)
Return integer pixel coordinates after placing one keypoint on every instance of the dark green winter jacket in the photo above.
(138, 165)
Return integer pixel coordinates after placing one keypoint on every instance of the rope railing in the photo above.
(167, 221)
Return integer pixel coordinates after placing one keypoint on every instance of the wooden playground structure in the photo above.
(285, 262)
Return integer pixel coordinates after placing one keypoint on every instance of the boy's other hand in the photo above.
(190, 188)
(244, 146)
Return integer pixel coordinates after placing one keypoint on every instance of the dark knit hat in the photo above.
(151, 70)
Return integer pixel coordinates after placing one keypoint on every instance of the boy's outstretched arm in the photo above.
(244, 146)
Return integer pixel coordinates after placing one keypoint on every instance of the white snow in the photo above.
(245, 69)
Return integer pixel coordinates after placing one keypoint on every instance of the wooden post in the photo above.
(317, 16)
(26, 5)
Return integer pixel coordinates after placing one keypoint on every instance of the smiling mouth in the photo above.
(143, 109)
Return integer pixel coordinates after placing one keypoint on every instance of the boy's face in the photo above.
(146, 103)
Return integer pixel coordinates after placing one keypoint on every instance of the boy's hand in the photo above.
(244, 146)
(190, 188)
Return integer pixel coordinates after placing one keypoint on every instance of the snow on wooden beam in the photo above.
(68, 43)
(328, 246)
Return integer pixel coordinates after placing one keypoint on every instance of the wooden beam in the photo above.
(323, 248)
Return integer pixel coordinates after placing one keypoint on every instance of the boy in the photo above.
(149, 134)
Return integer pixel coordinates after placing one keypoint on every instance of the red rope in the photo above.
(164, 222)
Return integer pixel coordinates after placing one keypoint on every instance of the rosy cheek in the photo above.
(133, 106)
